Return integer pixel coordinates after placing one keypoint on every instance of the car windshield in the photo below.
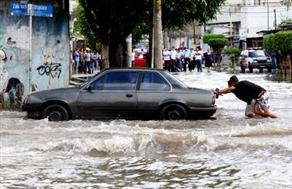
(251, 54)
(260, 53)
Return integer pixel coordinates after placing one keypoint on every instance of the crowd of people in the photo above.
(85, 61)
(183, 59)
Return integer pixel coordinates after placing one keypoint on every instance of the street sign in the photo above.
(42, 10)
(18, 9)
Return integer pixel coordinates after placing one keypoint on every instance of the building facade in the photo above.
(34, 47)
(242, 20)
(239, 20)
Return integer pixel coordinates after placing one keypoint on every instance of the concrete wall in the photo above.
(50, 48)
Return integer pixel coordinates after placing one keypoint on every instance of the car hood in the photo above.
(65, 94)
(260, 58)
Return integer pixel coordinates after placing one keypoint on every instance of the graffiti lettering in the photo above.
(52, 69)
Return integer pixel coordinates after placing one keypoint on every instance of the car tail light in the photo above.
(213, 99)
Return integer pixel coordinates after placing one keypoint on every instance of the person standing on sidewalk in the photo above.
(198, 59)
(208, 56)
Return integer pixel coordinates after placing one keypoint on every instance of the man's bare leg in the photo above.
(264, 113)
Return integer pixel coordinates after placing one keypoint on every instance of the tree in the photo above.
(113, 20)
(217, 43)
(281, 44)
(177, 13)
(233, 53)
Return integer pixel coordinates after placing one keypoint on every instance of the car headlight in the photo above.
(26, 100)
(29, 99)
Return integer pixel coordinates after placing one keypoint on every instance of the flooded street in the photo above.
(227, 152)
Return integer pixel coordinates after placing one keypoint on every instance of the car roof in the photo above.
(136, 69)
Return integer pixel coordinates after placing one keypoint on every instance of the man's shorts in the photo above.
(263, 102)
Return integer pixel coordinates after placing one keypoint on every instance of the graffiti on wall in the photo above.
(49, 67)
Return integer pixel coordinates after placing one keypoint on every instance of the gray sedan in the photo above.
(123, 93)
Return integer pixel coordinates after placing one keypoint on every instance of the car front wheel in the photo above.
(55, 112)
(173, 112)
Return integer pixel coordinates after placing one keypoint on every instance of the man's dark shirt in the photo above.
(246, 91)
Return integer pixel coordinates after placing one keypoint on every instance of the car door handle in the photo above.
(129, 95)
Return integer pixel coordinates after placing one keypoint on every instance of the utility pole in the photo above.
(275, 19)
(30, 8)
(268, 19)
(230, 27)
(129, 50)
(157, 34)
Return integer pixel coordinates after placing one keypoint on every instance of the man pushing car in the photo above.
(254, 95)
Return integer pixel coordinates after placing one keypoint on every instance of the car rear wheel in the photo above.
(173, 112)
(55, 112)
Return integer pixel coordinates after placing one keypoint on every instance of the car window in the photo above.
(116, 81)
(174, 81)
(251, 54)
(153, 82)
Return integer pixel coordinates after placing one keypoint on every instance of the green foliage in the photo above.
(113, 19)
(218, 42)
(279, 42)
(207, 37)
(233, 53)
(269, 44)
(82, 27)
(177, 13)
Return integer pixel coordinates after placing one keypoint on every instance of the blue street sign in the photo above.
(42, 10)
(18, 9)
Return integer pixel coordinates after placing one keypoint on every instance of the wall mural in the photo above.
(49, 66)
(12, 88)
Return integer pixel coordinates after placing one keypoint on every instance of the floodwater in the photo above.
(227, 152)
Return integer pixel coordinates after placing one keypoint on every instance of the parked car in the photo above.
(255, 58)
(128, 93)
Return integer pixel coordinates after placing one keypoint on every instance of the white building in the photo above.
(242, 20)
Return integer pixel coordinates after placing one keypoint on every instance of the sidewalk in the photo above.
(77, 79)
